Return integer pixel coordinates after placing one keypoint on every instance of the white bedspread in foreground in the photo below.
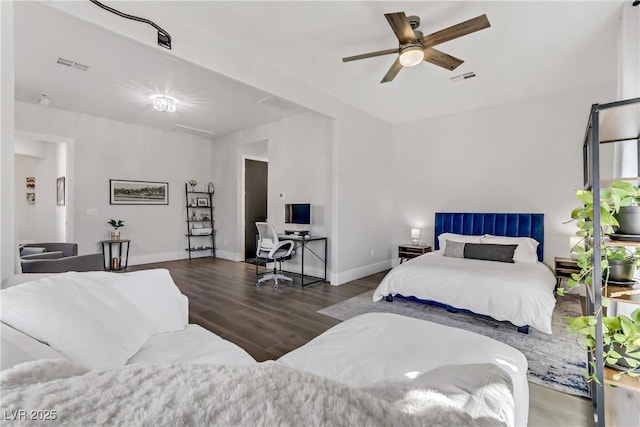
(521, 293)
(267, 394)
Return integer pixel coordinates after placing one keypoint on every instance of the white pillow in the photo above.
(526, 251)
(462, 238)
(155, 295)
(79, 315)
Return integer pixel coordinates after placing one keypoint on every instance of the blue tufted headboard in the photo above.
(498, 224)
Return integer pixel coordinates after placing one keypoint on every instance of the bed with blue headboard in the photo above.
(518, 289)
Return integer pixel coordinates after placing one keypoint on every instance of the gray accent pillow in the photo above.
(490, 252)
(454, 249)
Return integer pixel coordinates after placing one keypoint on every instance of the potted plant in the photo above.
(115, 223)
(620, 334)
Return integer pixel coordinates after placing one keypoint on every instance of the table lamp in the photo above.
(415, 236)
(573, 242)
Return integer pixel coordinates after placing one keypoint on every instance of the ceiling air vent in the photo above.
(72, 64)
(463, 76)
(278, 103)
(200, 133)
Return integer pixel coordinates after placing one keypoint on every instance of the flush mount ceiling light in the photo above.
(165, 103)
(164, 38)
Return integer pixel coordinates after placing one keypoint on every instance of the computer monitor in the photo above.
(297, 213)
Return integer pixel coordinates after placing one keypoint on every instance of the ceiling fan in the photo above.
(415, 48)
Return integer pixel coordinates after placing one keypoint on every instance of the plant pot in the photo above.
(622, 364)
(621, 270)
(115, 235)
(629, 219)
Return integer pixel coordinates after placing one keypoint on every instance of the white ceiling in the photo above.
(532, 49)
(124, 74)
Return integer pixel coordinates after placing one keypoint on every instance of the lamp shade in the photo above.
(411, 56)
(415, 233)
(573, 242)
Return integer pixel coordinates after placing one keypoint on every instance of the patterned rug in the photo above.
(555, 361)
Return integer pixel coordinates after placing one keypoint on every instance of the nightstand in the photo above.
(564, 268)
(411, 251)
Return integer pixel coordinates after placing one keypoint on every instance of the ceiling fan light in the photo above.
(411, 56)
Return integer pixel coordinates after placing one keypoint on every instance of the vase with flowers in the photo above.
(193, 183)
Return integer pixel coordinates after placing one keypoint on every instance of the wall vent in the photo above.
(200, 133)
(72, 64)
(463, 76)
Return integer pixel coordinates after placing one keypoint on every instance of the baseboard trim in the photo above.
(153, 258)
(172, 256)
(356, 273)
(231, 256)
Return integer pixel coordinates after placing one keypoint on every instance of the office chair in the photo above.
(272, 249)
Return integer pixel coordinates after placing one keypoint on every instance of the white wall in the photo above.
(8, 244)
(521, 157)
(346, 179)
(60, 170)
(39, 222)
(362, 192)
(299, 151)
(35, 222)
(104, 149)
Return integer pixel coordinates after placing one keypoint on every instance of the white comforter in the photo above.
(265, 394)
(521, 293)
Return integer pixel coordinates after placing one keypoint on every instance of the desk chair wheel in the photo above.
(258, 284)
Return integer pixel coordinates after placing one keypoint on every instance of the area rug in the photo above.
(555, 361)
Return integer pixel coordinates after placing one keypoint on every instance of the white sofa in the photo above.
(109, 321)
(94, 326)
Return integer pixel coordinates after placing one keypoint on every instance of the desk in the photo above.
(303, 244)
(115, 263)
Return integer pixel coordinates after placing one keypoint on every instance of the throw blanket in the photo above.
(265, 394)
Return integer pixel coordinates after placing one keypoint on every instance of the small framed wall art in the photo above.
(203, 201)
(60, 191)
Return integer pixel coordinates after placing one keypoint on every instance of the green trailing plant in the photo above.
(116, 223)
(620, 334)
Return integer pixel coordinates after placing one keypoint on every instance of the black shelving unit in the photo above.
(200, 217)
(608, 123)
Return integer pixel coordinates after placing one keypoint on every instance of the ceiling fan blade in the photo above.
(393, 71)
(370, 54)
(400, 25)
(467, 27)
(441, 59)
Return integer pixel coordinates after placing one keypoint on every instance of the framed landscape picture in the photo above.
(126, 192)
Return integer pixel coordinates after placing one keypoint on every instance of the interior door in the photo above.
(255, 202)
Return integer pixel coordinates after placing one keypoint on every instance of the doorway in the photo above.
(256, 173)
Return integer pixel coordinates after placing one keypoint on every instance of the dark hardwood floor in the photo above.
(266, 322)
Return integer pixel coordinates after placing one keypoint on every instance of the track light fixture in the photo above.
(164, 38)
